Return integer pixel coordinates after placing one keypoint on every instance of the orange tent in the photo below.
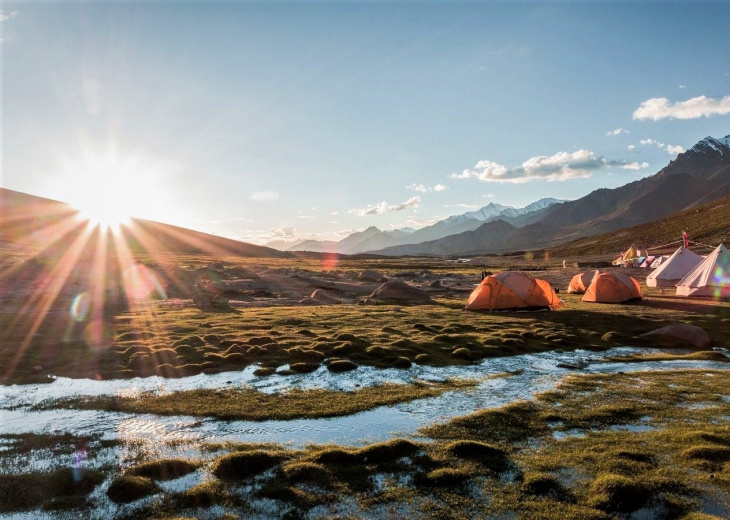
(512, 290)
(580, 281)
(612, 287)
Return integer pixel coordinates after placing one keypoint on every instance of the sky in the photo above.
(290, 120)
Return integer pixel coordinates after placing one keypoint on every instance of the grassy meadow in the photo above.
(597, 446)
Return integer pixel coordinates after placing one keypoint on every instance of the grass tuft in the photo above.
(166, 469)
(246, 464)
(128, 488)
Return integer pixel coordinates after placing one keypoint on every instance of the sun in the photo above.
(107, 190)
(105, 216)
(105, 198)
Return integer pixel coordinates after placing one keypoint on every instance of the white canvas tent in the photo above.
(671, 271)
(710, 278)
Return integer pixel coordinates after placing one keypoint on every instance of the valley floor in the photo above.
(164, 409)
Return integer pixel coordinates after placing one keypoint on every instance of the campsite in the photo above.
(364, 259)
(276, 406)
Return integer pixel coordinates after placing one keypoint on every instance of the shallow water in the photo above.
(535, 373)
(161, 437)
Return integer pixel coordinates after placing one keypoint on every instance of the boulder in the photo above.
(397, 290)
(322, 297)
(370, 275)
(435, 283)
(291, 295)
(683, 332)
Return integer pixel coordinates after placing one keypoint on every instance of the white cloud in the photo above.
(683, 86)
(651, 141)
(422, 188)
(334, 212)
(4, 15)
(305, 216)
(488, 196)
(559, 167)
(283, 232)
(674, 150)
(261, 196)
(630, 147)
(618, 131)
(670, 148)
(384, 207)
(635, 166)
(701, 106)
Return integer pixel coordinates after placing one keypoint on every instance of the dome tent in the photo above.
(671, 271)
(710, 278)
(512, 290)
(580, 282)
(612, 287)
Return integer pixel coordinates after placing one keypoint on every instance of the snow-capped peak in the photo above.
(720, 145)
(493, 209)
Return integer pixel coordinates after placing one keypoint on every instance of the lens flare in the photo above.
(329, 261)
(80, 306)
(141, 282)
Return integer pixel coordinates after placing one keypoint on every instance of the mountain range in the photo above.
(373, 238)
(695, 177)
(688, 183)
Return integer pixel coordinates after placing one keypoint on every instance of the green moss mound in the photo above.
(307, 472)
(387, 451)
(30, 490)
(304, 368)
(618, 493)
(708, 453)
(341, 365)
(206, 494)
(336, 457)
(443, 477)
(543, 484)
(167, 469)
(491, 456)
(128, 488)
(242, 465)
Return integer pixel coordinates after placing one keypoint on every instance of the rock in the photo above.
(435, 283)
(322, 297)
(397, 290)
(206, 301)
(684, 332)
(371, 275)
(291, 295)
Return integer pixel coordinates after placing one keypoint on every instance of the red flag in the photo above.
(685, 238)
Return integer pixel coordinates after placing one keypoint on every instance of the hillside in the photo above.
(707, 224)
(34, 225)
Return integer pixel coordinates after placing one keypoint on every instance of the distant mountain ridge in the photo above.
(373, 238)
(695, 177)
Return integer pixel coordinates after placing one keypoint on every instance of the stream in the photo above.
(532, 373)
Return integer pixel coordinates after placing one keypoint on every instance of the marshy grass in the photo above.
(178, 340)
(128, 488)
(31, 490)
(252, 405)
(165, 469)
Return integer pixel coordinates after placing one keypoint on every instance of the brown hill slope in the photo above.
(35, 225)
(707, 224)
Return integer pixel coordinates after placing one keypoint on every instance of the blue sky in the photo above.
(311, 120)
